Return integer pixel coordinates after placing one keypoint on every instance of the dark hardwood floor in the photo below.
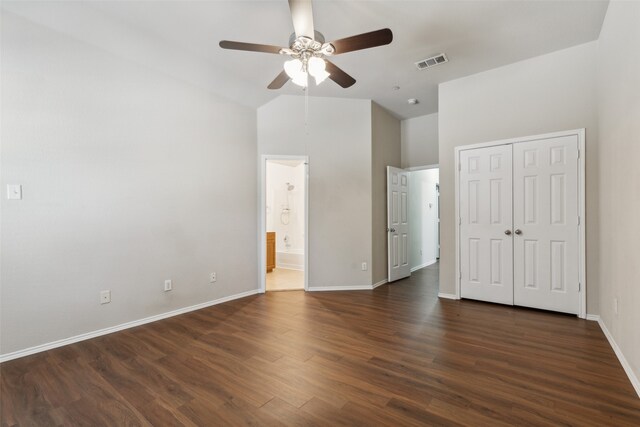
(394, 356)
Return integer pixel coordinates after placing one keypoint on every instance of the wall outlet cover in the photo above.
(168, 285)
(105, 297)
(14, 191)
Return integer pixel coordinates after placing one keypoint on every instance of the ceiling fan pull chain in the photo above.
(306, 111)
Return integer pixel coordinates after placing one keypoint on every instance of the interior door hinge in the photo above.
(460, 221)
(578, 219)
(459, 167)
(579, 286)
(578, 153)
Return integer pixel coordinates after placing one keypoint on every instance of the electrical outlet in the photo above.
(105, 297)
(168, 285)
(364, 266)
(615, 306)
(212, 277)
(14, 191)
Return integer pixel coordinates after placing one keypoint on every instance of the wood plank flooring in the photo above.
(393, 356)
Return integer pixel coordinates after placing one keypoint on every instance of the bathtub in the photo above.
(292, 259)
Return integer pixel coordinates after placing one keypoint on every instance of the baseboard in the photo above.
(340, 288)
(347, 288)
(380, 283)
(447, 296)
(285, 266)
(623, 361)
(82, 337)
(593, 317)
(426, 264)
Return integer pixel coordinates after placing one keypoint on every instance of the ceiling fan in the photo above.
(309, 51)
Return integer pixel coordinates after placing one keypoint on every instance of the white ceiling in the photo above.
(475, 35)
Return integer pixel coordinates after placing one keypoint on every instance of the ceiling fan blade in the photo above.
(279, 81)
(363, 41)
(302, 16)
(251, 47)
(339, 76)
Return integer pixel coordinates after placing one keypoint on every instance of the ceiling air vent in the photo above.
(441, 58)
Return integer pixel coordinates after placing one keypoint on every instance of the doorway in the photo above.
(284, 219)
(424, 217)
(413, 219)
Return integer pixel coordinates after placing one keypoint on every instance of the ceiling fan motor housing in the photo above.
(317, 35)
(304, 47)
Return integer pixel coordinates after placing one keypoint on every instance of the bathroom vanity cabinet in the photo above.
(271, 250)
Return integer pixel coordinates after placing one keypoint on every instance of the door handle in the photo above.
(518, 231)
(507, 232)
(392, 230)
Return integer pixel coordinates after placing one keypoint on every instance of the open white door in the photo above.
(486, 242)
(398, 223)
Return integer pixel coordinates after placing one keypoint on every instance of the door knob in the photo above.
(393, 230)
(518, 231)
(507, 232)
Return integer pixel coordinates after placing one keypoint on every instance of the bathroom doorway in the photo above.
(284, 215)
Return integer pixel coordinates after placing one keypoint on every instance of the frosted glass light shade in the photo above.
(316, 66)
(321, 76)
(293, 68)
(300, 79)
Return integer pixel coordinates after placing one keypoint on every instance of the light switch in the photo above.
(14, 191)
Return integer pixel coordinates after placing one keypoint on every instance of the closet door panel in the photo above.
(545, 215)
(486, 251)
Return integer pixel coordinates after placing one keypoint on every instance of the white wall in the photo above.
(289, 224)
(548, 93)
(420, 141)
(619, 125)
(127, 175)
(385, 151)
(423, 217)
(337, 139)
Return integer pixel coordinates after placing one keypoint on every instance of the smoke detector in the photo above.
(412, 101)
(432, 61)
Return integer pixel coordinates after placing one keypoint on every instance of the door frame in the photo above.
(582, 272)
(438, 218)
(262, 217)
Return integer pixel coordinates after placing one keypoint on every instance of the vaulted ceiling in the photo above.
(475, 35)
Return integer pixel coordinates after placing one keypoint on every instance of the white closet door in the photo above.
(486, 242)
(545, 214)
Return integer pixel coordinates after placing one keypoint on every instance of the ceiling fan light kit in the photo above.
(309, 51)
(299, 68)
